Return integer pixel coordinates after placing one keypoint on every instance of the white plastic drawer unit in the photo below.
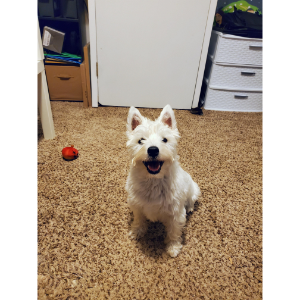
(225, 48)
(233, 74)
(224, 100)
(230, 77)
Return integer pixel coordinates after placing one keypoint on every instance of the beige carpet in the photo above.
(83, 220)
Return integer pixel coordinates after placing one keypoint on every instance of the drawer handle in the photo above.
(241, 96)
(256, 46)
(248, 73)
(64, 77)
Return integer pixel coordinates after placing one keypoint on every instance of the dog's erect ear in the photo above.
(134, 118)
(167, 117)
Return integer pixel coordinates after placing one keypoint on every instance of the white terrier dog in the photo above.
(158, 188)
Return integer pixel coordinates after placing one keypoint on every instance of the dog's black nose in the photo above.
(153, 151)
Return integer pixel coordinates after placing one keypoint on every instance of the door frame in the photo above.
(202, 58)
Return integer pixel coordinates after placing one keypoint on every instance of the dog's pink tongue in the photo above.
(153, 166)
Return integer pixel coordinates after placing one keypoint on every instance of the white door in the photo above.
(148, 51)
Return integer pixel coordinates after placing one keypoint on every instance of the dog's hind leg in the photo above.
(139, 225)
(193, 196)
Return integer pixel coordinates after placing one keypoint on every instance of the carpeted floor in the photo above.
(83, 220)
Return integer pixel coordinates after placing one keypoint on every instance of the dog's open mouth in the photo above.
(153, 166)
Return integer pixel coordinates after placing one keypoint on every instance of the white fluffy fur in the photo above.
(166, 196)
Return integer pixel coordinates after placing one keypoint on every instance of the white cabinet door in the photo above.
(148, 51)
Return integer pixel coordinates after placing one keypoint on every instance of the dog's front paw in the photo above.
(136, 233)
(173, 248)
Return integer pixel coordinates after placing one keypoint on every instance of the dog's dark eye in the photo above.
(140, 141)
(164, 140)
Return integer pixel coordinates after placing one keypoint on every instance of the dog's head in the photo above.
(152, 144)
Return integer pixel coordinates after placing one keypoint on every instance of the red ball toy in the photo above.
(69, 153)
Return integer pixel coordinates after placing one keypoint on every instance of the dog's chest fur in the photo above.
(157, 198)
